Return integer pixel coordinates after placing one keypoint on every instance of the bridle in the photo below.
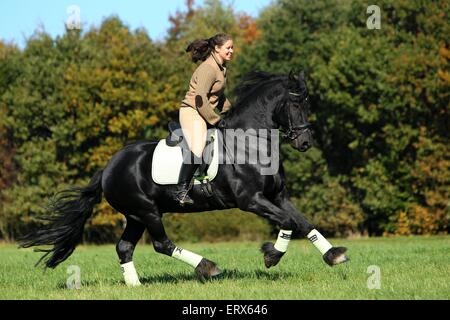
(293, 132)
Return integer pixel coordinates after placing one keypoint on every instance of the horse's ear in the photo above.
(302, 76)
(291, 75)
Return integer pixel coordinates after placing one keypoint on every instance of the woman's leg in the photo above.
(194, 129)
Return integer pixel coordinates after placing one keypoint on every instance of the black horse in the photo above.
(265, 101)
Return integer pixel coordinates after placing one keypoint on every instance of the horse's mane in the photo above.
(253, 84)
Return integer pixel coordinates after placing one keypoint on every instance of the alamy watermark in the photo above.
(74, 279)
(374, 281)
(73, 22)
(374, 21)
(237, 146)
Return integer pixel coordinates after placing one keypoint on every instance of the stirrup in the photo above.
(185, 199)
(182, 196)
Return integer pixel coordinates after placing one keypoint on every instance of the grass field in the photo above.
(411, 268)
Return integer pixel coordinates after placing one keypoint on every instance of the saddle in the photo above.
(168, 157)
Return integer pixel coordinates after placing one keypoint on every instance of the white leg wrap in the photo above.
(130, 275)
(187, 256)
(284, 236)
(319, 241)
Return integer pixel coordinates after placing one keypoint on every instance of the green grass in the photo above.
(411, 268)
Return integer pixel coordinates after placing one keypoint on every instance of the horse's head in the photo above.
(292, 115)
(273, 101)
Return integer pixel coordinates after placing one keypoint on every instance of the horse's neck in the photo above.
(257, 123)
(252, 118)
(254, 138)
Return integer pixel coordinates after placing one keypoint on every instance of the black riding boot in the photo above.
(185, 183)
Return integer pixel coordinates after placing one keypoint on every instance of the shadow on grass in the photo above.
(174, 278)
(91, 283)
(225, 275)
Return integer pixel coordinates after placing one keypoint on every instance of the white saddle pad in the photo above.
(166, 163)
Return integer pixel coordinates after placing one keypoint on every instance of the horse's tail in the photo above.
(71, 208)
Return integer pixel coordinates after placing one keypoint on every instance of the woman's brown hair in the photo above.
(202, 48)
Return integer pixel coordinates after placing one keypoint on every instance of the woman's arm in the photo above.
(205, 80)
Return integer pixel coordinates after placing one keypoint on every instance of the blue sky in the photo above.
(20, 18)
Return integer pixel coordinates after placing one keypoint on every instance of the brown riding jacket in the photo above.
(206, 90)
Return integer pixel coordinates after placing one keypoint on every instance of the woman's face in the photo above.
(225, 51)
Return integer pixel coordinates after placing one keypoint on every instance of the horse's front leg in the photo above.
(284, 214)
(284, 219)
(331, 255)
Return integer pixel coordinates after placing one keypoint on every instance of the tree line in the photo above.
(379, 108)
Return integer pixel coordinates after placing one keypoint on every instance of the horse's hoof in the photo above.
(207, 269)
(335, 256)
(271, 255)
(132, 282)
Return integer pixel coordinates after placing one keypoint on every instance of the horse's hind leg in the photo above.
(204, 268)
(125, 248)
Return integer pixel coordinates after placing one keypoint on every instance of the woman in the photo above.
(204, 97)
